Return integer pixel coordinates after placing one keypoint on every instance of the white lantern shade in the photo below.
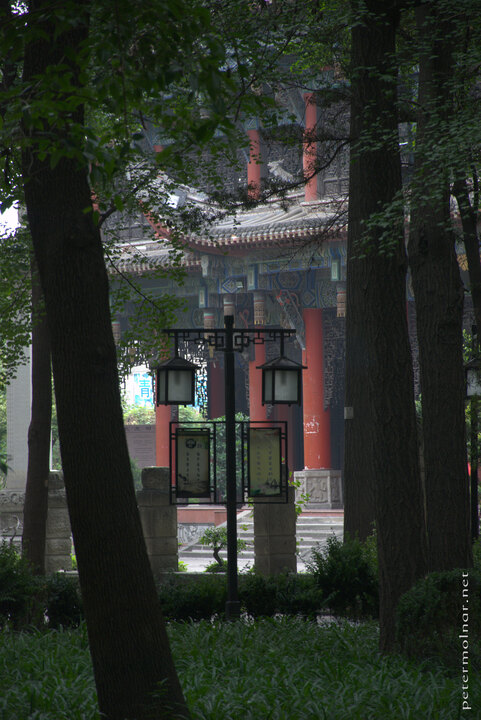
(473, 381)
(180, 387)
(281, 381)
(176, 382)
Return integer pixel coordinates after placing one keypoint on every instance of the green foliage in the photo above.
(216, 538)
(347, 577)
(20, 590)
(63, 602)
(303, 499)
(137, 414)
(31, 600)
(190, 599)
(187, 413)
(430, 618)
(286, 593)
(15, 320)
(217, 567)
(47, 675)
(282, 668)
(204, 597)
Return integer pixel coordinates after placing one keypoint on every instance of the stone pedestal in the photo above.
(11, 515)
(159, 519)
(18, 421)
(323, 487)
(275, 535)
(58, 540)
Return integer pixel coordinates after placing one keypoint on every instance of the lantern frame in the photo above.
(165, 375)
(272, 372)
(472, 371)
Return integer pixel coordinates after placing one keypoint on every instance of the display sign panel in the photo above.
(192, 463)
(264, 462)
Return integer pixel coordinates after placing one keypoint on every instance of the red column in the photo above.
(162, 432)
(317, 421)
(255, 169)
(257, 411)
(310, 148)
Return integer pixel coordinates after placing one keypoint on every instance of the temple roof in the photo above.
(274, 222)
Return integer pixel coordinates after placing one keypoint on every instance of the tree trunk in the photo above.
(36, 491)
(381, 444)
(438, 293)
(469, 223)
(134, 672)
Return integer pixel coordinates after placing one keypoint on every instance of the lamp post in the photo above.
(281, 377)
(473, 392)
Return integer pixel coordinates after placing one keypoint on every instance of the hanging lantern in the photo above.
(175, 382)
(472, 370)
(281, 381)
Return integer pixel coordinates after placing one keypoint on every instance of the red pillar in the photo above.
(162, 435)
(310, 148)
(317, 421)
(255, 168)
(257, 411)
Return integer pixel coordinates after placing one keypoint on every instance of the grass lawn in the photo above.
(285, 669)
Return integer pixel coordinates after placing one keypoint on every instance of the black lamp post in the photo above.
(282, 383)
(473, 393)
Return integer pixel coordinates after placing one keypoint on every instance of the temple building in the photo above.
(280, 264)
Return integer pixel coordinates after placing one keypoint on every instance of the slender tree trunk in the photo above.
(134, 672)
(438, 293)
(383, 455)
(36, 492)
(469, 222)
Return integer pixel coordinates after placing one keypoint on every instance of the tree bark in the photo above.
(134, 672)
(36, 491)
(469, 223)
(438, 293)
(381, 444)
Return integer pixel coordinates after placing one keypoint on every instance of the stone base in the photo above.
(58, 543)
(11, 515)
(324, 488)
(275, 536)
(159, 519)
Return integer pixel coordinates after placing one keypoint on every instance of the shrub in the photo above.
(429, 618)
(216, 539)
(193, 599)
(345, 575)
(287, 593)
(64, 605)
(20, 590)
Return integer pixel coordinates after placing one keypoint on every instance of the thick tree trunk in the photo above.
(134, 672)
(438, 293)
(381, 444)
(36, 491)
